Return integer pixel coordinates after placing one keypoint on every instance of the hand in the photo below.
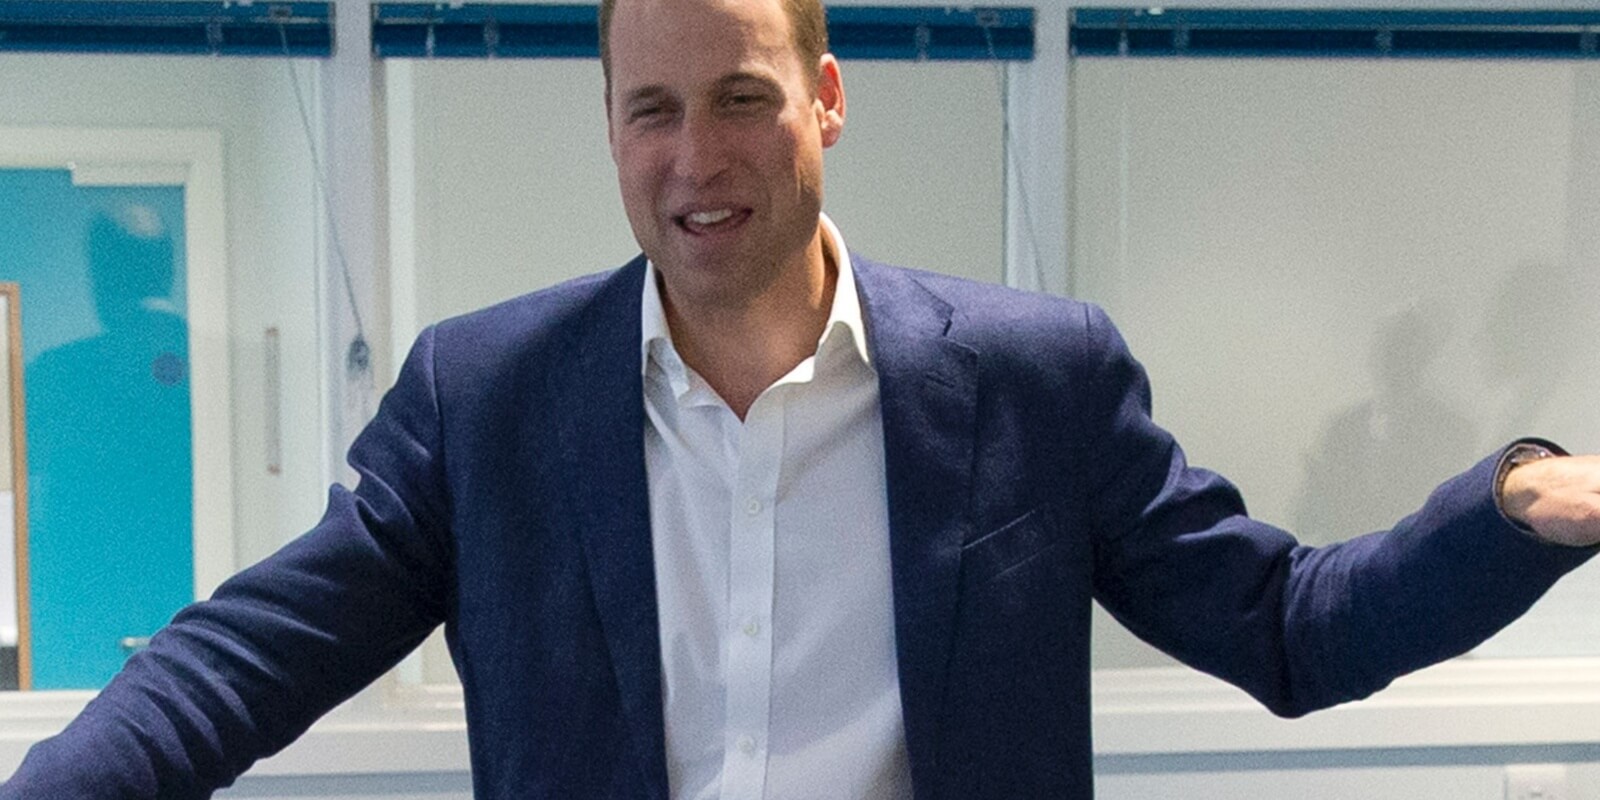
(1559, 498)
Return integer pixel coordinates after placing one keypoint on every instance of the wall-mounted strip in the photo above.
(931, 34)
(168, 28)
(484, 30)
(1366, 33)
(495, 30)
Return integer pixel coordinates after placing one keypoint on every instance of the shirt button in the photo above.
(747, 745)
(752, 506)
(752, 627)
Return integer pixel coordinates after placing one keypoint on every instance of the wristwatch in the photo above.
(1519, 454)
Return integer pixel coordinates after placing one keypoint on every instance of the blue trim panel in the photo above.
(484, 30)
(1368, 33)
(931, 34)
(492, 30)
(182, 27)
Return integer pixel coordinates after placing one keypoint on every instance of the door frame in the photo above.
(190, 158)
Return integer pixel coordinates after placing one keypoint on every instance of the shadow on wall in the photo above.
(1375, 458)
(1540, 330)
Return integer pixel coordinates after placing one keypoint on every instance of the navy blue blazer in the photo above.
(503, 494)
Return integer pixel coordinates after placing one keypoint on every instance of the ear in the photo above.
(830, 99)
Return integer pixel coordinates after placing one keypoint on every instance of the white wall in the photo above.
(1350, 279)
(917, 178)
(515, 189)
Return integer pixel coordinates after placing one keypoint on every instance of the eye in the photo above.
(745, 101)
(649, 114)
(643, 112)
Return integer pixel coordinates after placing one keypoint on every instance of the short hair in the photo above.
(807, 21)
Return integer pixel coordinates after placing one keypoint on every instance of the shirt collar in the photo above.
(656, 338)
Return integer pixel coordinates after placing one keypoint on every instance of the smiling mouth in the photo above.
(702, 223)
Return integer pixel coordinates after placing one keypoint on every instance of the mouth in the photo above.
(711, 221)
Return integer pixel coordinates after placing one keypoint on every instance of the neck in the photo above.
(742, 346)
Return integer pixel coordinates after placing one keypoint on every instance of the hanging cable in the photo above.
(986, 22)
(358, 358)
(1124, 159)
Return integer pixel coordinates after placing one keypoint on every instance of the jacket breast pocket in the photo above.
(1007, 548)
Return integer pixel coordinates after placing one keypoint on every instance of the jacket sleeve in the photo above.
(239, 676)
(1178, 562)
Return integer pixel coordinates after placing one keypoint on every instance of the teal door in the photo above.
(106, 377)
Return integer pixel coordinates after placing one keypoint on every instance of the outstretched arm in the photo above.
(1182, 565)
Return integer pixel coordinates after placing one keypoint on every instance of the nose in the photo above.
(702, 149)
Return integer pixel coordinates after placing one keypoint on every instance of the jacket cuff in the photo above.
(1503, 465)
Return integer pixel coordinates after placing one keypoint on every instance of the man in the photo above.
(761, 516)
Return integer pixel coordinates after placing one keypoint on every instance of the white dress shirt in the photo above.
(771, 541)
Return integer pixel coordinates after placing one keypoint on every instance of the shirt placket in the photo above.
(748, 637)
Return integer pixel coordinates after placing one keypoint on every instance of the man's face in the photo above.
(717, 134)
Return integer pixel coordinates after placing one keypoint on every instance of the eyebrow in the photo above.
(656, 92)
(645, 94)
(741, 78)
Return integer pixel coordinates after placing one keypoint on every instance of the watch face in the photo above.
(1519, 455)
(1528, 452)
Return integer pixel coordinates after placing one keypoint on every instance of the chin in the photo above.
(721, 280)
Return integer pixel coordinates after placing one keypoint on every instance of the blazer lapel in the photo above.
(927, 388)
(928, 393)
(609, 503)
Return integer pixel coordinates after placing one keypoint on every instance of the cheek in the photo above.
(635, 177)
(792, 151)
(807, 159)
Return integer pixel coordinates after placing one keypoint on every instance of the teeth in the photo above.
(710, 217)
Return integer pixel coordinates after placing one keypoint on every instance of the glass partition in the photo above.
(159, 215)
(1349, 279)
